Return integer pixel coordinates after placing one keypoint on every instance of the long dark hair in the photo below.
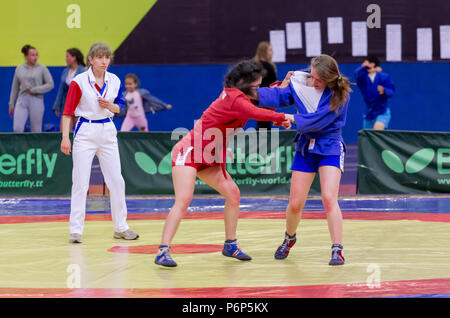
(78, 55)
(242, 74)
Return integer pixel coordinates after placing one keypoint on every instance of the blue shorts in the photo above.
(311, 162)
(384, 118)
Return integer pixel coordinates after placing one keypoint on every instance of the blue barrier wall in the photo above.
(420, 103)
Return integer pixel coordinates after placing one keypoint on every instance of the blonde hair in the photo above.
(261, 54)
(328, 70)
(98, 49)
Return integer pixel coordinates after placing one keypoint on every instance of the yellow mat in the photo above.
(38, 255)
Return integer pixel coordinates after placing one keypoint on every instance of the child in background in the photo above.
(139, 101)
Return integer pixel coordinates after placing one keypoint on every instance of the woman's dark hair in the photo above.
(26, 49)
(77, 53)
(242, 74)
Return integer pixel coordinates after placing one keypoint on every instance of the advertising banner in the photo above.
(403, 162)
(258, 163)
(32, 164)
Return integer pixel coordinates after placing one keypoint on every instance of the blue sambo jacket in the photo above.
(319, 129)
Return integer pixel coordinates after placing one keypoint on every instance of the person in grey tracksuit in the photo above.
(31, 81)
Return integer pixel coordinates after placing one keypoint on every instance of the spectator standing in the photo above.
(31, 81)
(263, 55)
(75, 65)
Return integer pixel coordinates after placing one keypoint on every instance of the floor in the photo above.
(394, 247)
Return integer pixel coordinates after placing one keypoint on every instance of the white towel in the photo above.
(309, 96)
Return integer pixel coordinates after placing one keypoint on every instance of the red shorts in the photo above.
(190, 157)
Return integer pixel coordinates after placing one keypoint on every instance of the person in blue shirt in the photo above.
(75, 65)
(376, 88)
(320, 148)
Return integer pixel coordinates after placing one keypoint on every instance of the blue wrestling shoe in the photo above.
(231, 248)
(336, 255)
(283, 250)
(163, 257)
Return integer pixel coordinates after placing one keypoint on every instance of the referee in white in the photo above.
(94, 96)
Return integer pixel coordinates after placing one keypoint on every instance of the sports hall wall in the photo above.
(180, 50)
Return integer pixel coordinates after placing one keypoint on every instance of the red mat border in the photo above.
(361, 290)
(381, 216)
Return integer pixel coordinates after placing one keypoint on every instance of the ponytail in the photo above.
(340, 89)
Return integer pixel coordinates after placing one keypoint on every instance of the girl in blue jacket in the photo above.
(321, 114)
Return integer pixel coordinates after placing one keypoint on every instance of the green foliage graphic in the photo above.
(416, 163)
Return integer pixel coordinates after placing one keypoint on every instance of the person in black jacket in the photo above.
(263, 55)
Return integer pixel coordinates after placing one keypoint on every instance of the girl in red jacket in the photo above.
(202, 154)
